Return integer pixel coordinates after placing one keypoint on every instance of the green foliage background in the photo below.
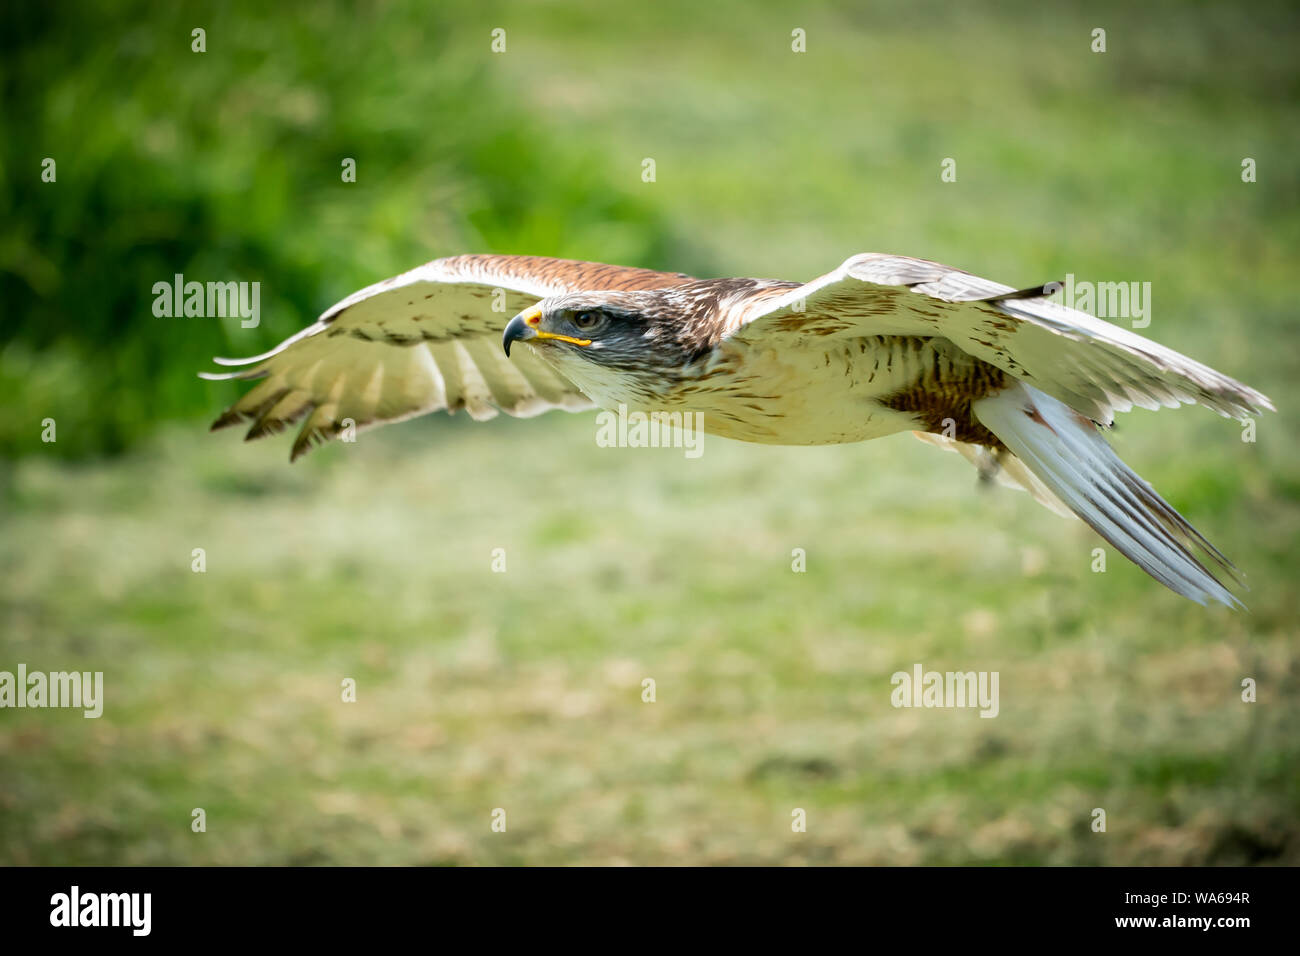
(523, 690)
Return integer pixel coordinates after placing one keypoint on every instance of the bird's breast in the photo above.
(827, 392)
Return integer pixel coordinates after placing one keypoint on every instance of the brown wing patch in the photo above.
(563, 275)
(941, 398)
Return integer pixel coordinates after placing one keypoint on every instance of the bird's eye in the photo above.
(586, 321)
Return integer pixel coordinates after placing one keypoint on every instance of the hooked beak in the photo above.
(524, 327)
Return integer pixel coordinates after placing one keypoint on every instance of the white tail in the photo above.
(1067, 453)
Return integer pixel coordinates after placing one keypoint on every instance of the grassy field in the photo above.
(522, 690)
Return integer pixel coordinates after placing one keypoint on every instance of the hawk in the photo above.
(1016, 382)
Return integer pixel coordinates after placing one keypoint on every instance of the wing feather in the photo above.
(423, 341)
(1093, 366)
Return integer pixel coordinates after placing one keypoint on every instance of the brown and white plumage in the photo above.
(1016, 382)
(424, 341)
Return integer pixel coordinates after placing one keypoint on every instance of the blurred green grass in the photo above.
(523, 690)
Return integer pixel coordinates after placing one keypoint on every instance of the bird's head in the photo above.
(591, 335)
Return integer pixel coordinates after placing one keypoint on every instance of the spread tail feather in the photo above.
(1067, 453)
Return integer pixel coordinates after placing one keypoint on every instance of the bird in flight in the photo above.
(1017, 383)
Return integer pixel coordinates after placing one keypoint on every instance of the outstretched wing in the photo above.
(1094, 367)
(423, 341)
